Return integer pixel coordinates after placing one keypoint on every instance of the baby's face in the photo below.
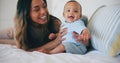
(72, 11)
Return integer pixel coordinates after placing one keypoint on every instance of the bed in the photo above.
(10, 54)
(104, 26)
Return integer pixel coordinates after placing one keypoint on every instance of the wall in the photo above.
(7, 12)
(8, 9)
(88, 6)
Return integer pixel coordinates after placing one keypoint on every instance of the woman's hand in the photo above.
(84, 36)
(52, 36)
(61, 34)
(43, 50)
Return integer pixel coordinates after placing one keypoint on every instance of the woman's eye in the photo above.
(36, 9)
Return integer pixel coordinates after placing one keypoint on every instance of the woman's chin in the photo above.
(42, 22)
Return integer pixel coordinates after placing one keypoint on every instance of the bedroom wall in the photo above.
(88, 6)
(7, 12)
(8, 9)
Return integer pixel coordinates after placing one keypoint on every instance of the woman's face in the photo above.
(72, 11)
(39, 11)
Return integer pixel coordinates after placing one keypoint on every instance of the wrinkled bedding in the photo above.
(11, 54)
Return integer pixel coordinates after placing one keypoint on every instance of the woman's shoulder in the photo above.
(54, 23)
(53, 18)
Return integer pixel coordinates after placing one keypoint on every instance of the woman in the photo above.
(34, 25)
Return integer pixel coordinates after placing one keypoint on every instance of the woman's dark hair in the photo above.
(22, 19)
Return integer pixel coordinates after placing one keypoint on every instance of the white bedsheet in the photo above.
(11, 54)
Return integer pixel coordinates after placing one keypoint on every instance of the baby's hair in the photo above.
(76, 2)
(72, 0)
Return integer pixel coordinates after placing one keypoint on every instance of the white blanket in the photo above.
(11, 54)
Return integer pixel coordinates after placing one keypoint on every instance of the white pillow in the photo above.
(104, 26)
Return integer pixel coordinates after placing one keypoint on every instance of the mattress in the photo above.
(11, 54)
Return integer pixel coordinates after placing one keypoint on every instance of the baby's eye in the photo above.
(68, 10)
(76, 11)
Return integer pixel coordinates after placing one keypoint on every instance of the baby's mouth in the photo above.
(71, 17)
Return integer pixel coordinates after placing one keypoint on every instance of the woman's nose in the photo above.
(43, 11)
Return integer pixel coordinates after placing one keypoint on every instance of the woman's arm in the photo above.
(47, 47)
(7, 36)
(52, 44)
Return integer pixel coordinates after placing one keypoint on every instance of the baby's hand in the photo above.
(77, 37)
(85, 36)
(52, 36)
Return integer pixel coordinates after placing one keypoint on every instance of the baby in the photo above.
(72, 14)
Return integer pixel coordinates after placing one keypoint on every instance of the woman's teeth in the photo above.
(43, 17)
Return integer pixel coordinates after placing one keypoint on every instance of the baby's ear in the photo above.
(80, 15)
(63, 14)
